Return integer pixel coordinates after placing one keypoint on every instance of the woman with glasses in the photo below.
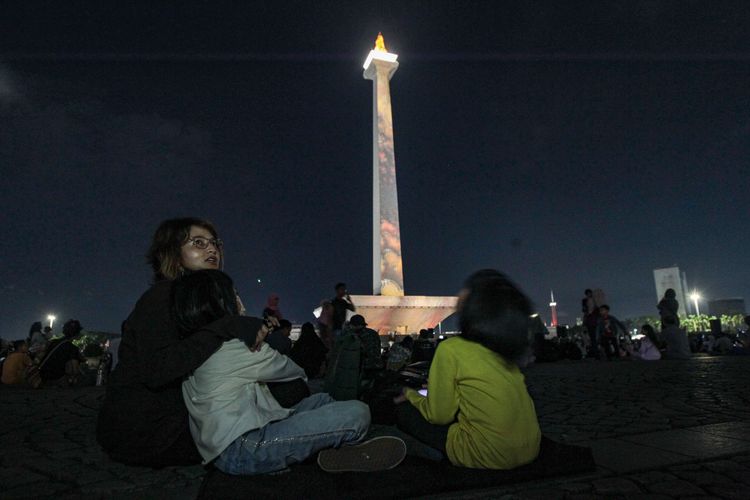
(143, 419)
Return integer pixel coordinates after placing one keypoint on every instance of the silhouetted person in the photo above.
(678, 346)
(279, 337)
(36, 340)
(341, 303)
(272, 307)
(309, 352)
(668, 307)
(648, 350)
(590, 315)
(62, 358)
(16, 363)
(606, 332)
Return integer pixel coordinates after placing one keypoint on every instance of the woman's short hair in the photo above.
(165, 253)
(495, 313)
(201, 297)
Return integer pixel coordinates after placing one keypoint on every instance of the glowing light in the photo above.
(51, 318)
(380, 53)
(695, 297)
(380, 43)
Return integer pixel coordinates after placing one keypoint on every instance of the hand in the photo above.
(268, 324)
(401, 398)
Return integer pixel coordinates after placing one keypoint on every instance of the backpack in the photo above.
(344, 375)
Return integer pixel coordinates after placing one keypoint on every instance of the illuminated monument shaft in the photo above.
(388, 309)
(387, 267)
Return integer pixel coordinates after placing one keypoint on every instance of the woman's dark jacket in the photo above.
(143, 412)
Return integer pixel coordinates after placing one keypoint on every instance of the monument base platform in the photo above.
(407, 314)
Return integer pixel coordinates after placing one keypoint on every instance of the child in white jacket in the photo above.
(235, 420)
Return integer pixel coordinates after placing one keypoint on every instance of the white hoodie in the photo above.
(227, 396)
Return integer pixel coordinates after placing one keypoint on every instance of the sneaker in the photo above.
(380, 453)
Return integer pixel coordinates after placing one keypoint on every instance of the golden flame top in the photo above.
(380, 43)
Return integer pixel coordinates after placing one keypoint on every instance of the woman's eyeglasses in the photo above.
(203, 243)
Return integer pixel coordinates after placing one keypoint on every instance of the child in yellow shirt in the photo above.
(477, 410)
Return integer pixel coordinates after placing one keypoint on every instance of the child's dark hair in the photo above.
(495, 313)
(201, 297)
(651, 334)
(71, 328)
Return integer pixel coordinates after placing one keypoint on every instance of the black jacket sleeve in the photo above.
(163, 356)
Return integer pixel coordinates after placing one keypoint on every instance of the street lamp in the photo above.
(51, 319)
(695, 297)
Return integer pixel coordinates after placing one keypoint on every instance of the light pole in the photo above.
(51, 319)
(695, 297)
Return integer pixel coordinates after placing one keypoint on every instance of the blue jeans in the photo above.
(319, 422)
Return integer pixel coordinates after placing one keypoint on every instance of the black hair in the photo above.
(339, 285)
(17, 344)
(285, 323)
(588, 291)
(651, 334)
(604, 306)
(71, 328)
(201, 297)
(407, 342)
(670, 293)
(36, 326)
(306, 329)
(495, 314)
(481, 276)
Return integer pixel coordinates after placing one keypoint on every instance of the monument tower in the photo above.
(388, 309)
(387, 266)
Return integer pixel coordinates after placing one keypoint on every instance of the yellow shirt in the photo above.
(495, 420)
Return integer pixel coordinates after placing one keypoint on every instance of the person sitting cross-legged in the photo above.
(234, 419)
(648, 349)
(16, 364)
(477, 410)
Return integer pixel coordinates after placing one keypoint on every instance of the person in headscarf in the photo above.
(309, 352)
(272, 307)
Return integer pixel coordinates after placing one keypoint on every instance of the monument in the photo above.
(388, 309)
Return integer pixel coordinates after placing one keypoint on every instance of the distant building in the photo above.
(671, 277)
(729, 307)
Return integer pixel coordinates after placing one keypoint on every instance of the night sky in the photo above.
(568, 146)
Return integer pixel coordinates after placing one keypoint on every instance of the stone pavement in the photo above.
(667, 429)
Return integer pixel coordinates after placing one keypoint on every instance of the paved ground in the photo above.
(669, 429)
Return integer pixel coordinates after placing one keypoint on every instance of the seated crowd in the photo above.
(51, 361)
(225, 388)
(198, 381)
